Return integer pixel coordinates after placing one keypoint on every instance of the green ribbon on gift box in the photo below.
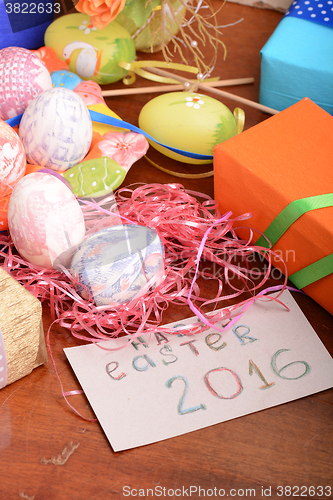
(283, 221)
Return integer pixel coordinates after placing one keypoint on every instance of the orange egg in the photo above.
(4, 202)
(12, 159)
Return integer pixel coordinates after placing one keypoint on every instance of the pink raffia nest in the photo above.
(190, 230)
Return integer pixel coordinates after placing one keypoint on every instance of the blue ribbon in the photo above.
(14, 121)
(316, 11)
(116, 122)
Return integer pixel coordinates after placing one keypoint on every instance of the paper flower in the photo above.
(101, 12)
(125, 149)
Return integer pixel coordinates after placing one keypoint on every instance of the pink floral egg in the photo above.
(22, 77)
(45, 220)
(12, 158)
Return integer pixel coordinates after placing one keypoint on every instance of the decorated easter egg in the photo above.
(23, 76)
(188, 121)
(12, 158)
(4, 202)
(95, 178)
(56, 129)
(91, 53)
(45, 220)
(64, 78)
(118, 264)
(89, 91)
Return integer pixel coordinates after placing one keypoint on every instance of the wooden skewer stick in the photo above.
(213, 90)
(173, 87)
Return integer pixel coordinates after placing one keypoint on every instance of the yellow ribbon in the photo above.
(239, 116)
(136, 67)
(210, 173)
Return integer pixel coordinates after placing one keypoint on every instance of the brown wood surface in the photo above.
(287, 445)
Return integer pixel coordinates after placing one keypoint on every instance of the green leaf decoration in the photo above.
(122, 50)
(225, 129)
(177, 102)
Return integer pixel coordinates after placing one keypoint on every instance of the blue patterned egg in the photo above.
(118, 264)
(65, 79)
(56, 129)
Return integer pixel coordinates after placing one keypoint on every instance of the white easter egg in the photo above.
(22, 77)
(56, 129)
(45, 220)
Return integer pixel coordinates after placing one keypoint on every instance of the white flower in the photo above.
(194, 101)
(86, 29)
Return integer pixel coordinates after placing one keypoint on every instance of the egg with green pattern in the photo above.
(91, 53)
(95, 178)
(189, 121)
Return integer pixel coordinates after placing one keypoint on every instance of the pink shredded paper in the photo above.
(191, 229)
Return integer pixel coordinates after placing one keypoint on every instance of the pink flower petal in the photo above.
(125, 148)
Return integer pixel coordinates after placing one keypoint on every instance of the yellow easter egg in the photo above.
(188, 121)
(91, 53)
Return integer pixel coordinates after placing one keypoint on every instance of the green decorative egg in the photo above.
(91, 53)
(146, 30)
(189, 121)
(95, 178)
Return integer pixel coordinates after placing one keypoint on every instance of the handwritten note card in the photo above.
(162, 386)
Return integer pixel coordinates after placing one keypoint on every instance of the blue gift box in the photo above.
(297, 60)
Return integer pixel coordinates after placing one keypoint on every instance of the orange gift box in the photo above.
(263, 170)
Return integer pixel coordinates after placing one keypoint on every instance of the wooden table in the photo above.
(286, 445)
